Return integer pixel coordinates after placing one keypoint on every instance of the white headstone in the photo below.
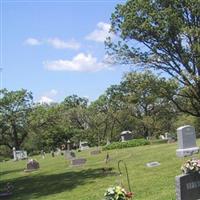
(83, 145)
(186, 141)
(14, 154)
(19, 155)
(126, 135)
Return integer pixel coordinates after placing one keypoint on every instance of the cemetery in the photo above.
(153, 169)
(99, 100)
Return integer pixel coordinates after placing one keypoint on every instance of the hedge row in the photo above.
(130, 143)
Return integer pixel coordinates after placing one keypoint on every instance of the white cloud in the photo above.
(100, 33)
(80, 63)
(54, 42)
(60, 44)
(45, 99)
(32, 41)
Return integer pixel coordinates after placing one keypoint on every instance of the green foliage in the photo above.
(15, 108)
(161, 35)
(75, 101)
(131, 143)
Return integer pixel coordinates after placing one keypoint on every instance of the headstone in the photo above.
(83, 145)
(70, 155)
(78, 161)
(107, 158)
(186, 141)
(126, 135)
(162, 137)
(68, 145)
(7, 190)
(32, 165)
(95, 152)
(167, 135)
(188, 186)
(152, 164)
(19, 155)
(42, 153)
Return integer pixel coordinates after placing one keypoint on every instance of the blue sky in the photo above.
(56, 49)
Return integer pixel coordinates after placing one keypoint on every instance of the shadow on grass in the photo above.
(2, 173)
(33, 187)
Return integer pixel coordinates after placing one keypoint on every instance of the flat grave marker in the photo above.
(78, 161)
(153, 164)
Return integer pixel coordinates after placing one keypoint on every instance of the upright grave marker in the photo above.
(186, 141)
(70, 155)
(19, 154)
(32, 165)
(126, 135)
(188, 187)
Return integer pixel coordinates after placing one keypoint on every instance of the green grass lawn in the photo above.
(57, 180)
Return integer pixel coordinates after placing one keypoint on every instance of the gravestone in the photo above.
(19, 154)
(186, 141)
(107, 159)
(7, 191)
(126, 135)
(78, 161)
(32, 165)
(188, 186)
(83, 145)
(95, 152)
(152, 164)
(70, 155)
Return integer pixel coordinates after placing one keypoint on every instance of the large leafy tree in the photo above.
(162, 35)
(49, 127)
(104, 116)
(146, 103)
(15, 108)
(75, 108)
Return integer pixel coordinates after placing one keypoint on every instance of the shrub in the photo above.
(130, 143)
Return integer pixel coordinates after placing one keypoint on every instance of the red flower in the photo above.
(129, 194)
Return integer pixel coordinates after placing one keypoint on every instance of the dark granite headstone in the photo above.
(188, 187)
(32, 165)
(95, 152)
(126, 135)
(78, 161)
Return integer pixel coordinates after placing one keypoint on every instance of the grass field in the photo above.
(57, 180)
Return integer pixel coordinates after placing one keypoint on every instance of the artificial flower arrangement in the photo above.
(191, 166)
(117, 193)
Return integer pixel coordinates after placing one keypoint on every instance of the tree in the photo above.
(143, 96)
(76, 109)
(104, 116)
(75, 101)
(50, 127)
(15, 107)
(162, 35)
